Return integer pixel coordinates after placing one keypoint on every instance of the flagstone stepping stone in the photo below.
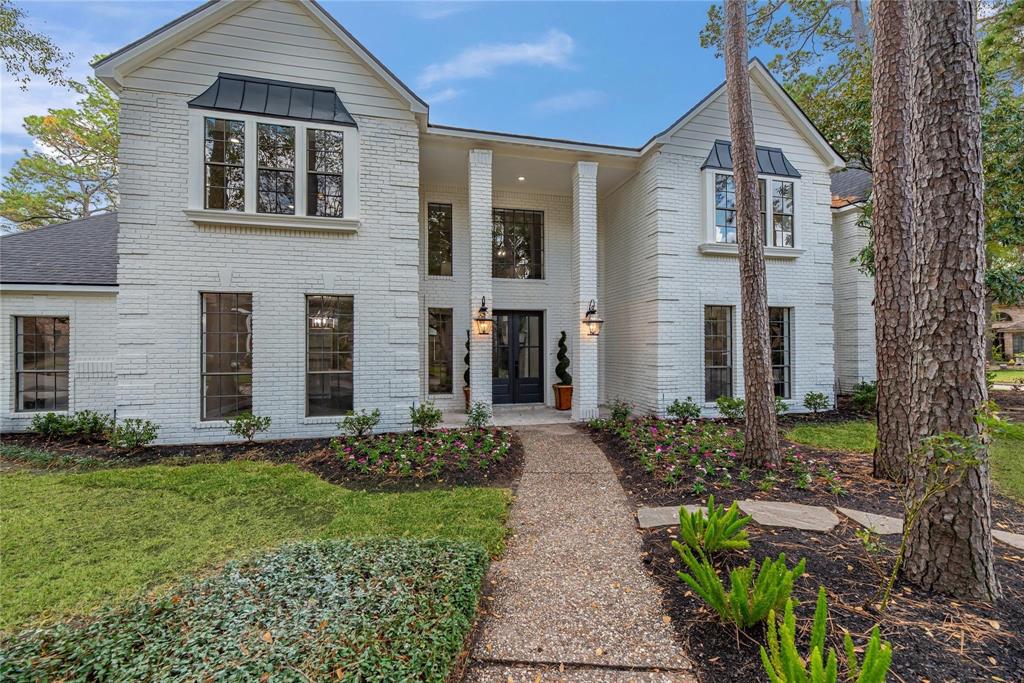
(880, 524)
(649, 518)
(792, 515)
(1014, 540)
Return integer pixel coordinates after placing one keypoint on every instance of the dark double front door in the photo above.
(518, 357)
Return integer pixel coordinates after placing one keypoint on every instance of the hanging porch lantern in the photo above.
(592, 322)
(482, 322)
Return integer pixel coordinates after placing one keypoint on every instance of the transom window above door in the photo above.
(518, 244)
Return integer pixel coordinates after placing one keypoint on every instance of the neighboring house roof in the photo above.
(770, 160)
(80, 252)
(1012, 319)
(851, 185)
(281, 99)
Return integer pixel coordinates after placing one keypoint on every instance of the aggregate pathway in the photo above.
(571, 600)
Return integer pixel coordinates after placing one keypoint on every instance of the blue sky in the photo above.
(608, 72)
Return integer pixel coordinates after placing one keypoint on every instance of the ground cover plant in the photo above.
(74, 541)
(378, 610)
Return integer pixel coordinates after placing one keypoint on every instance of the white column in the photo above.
(584, 288)
(480, 240)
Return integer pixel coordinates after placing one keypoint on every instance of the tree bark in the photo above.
(891, 222)
(762, 435)
(949, 548)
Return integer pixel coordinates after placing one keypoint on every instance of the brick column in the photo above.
(480, 245)
(584, 288)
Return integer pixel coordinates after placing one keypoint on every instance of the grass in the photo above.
(74, 541)
(1006, 452)
(1007, 376)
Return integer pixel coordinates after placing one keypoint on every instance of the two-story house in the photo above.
(297, 238)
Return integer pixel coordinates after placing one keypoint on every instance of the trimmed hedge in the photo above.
(375, 610)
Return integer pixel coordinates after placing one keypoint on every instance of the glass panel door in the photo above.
(518, 359)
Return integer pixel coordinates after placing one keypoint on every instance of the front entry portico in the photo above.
(518, 360)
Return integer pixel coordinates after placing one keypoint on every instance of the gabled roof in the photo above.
(80, 252)
(770, 160)
(281, 99)
(112, 68)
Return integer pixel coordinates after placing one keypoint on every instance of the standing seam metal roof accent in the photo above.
(280, 99)
(770, 160)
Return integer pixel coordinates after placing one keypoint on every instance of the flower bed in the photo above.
(436, 454)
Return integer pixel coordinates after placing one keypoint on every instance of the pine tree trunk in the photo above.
(949, 546)
(892, 225)
(762, 434)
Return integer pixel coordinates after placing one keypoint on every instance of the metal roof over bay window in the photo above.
(280, 99)
(770, 160)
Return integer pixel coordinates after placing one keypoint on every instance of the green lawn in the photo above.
(1006, 453)
(1007, 376)
(71, 542)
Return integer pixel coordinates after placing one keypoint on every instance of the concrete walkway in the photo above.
(571, 600)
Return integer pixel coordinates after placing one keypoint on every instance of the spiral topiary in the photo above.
(562, 369)
(465, 375)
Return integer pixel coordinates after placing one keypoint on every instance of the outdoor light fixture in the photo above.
(521, 179)
(483, 322)
(591, 320)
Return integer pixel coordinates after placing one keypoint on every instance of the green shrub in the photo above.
(479, 415)
(133, 433)
(621, 410)
(731, 407)
(562, 369)
(359, 424)
(780, 405)
(424, 417)
(378, 610)
(247, 425)
(52, 425)
(92, 426)
(784, 664)
(684, 410)
(749, 599)
(815, 401)
(865, 395)
(719, 529)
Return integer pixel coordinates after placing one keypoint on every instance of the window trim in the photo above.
(305, 357)
(16, 384)
(712, 246)
(195, 210)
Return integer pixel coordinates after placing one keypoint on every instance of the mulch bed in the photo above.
(1011, 404)
(312, 455)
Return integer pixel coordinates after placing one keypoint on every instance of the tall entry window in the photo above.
(329, 339)
(780, 340)
(518, 249)
(439, 239)
(227, 355)
(275, 168)
(41, 363)
(718, 355)
(439, 349)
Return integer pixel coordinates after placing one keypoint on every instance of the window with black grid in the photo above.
(439, 239)
(224, 168)
(717, 352)
(780, 340)
(275, 168)
(329, 340)
(518, 249)
(226, 374)
(325, 161)
(439, 345)
(782, 213)
(42, 351)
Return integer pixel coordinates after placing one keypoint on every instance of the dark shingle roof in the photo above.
(249, 95)
(81, 252)
(770, 160)
(849, 186)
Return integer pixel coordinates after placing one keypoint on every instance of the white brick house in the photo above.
(296, 236)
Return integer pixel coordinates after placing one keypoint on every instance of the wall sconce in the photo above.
(483, 322)
(591, 320)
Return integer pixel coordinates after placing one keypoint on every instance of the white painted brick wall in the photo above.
(854, 311)
(583, 268)
(91, 377)
(480, 289)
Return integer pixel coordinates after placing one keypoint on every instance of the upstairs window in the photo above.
(782, 213)
(439, 239)
(776, 224)
(224, 167)
(325, 186)
(518, 246)
(725, 209)
(275, 168)
(41, 363)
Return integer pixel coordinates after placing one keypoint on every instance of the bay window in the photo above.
(325, 186)
(224, 164)
(275, 168)
(777, 224)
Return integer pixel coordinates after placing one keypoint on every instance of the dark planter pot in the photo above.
(465, 392)
(563, 396)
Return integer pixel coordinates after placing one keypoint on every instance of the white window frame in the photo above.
(712, 246)
(200, 215)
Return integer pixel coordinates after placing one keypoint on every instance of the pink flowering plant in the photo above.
(420, 455)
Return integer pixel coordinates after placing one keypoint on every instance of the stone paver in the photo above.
(880, 524)
(793, 515)
(1010, 539)
(571, 589)
(649, 518)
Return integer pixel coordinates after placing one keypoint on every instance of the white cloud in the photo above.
(445, 95)
(482, 60)
(570, 101)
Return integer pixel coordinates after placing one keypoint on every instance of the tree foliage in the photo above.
(25, 53)
(72, 173)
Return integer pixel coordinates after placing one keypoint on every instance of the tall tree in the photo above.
(26, 53)
(74, 173)
(762, 434)
(949, 545)
(891, 217)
